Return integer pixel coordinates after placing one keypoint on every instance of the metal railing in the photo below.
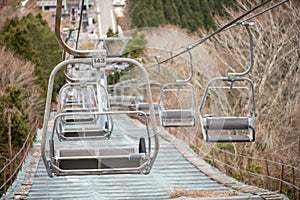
(261, 172)
(9, 172)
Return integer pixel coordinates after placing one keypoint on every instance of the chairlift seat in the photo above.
(146, 106)
(98, 161)
(68, 110)
(74, 104)
(228, 123)
(70, 101)
(74, 119)
(228, 138)
(128, 100)
(116, 100)
(84, 133)
(177, 118)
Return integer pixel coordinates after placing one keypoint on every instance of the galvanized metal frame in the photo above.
(192, 111)
(251, 118)
(89, 61)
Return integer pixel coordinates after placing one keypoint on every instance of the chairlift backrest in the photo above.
(73, 95)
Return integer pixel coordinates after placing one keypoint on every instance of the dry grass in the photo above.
(194, 194)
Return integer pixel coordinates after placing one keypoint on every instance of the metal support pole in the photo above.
(225, 160)
(241, 166)
(281, 178)
(249, 175)
(268, 174)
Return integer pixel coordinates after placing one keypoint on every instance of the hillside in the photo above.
(191, 15)
(275, 75)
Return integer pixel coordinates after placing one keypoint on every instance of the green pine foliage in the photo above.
(32, 39)
(189, 14)
(134, 48)
(11, 104)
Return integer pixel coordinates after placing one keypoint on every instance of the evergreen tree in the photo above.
(190, 14)
(32, 39)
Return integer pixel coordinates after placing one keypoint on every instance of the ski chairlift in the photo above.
(124, 93)
(77, 97)
(87, 159)
(79, 72)
(209, 122)
(128, 89)
(63, 159)
(89, 125)
(177, 105)
(141, 102)
(116, 98)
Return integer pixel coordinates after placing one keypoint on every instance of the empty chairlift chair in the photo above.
(106, 159)
(75, 157)
(88, 157)
(177, 105)
(87, 125)
(141, 102)
(227, 128)
(128, 91)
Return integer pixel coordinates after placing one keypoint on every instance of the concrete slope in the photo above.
(172, 172)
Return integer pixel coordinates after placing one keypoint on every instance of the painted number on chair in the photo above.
(99, 59)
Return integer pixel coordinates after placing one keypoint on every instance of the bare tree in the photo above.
(276, 77)
(17, 75)
(20, 74)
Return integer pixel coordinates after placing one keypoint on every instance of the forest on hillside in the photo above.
(28, 51)
(276, 61)
(276, 77)
(190, 14)
(28, 42)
